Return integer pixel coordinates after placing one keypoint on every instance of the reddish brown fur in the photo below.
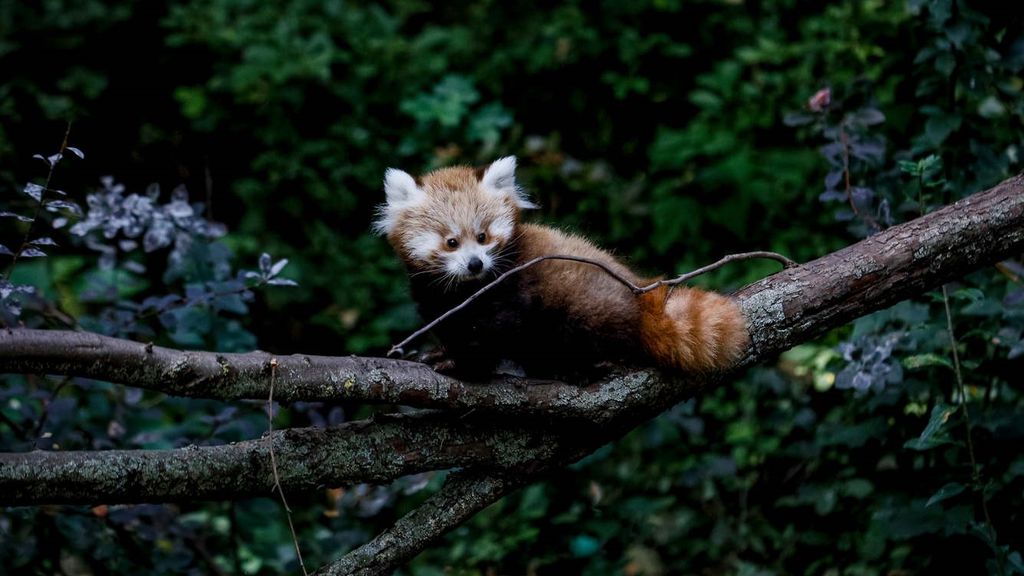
(685, 329)
(450, 189)
(691, 329)
(584, 292)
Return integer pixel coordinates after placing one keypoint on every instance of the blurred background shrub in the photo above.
(673, 132)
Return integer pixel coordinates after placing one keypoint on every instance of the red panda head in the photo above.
(454, 222)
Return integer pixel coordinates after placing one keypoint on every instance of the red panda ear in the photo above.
(500, 179)
(400, 188)
(402, 192)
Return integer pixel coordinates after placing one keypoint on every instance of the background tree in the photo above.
(659, 129)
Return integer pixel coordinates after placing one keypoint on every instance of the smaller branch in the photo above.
(786, 263)
(845, 143)
(374, 451)
(397, 348)
(463, 495)
(273, 465)
(1009, 273)
(636, 290)
(46, 411)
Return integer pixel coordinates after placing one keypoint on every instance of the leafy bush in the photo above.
(674, 132)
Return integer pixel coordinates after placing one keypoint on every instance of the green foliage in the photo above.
(674, 132)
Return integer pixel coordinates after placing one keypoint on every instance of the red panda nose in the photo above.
(475, 265)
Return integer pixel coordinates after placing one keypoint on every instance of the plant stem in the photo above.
(273, 465)
(39, 206)
(975, 472)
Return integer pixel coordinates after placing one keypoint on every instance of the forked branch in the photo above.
(782, 310)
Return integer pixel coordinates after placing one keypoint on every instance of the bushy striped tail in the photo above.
(692, 330)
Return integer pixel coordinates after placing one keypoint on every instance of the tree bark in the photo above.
(547, 423)
(307, 459)
(462, 496)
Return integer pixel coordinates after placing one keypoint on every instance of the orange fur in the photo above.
(555, 311)
(691, 329)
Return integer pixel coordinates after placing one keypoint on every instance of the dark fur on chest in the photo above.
(513, 321)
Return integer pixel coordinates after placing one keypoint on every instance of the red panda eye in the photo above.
(452, 243)
(481, 238)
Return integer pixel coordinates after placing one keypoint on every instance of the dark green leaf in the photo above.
(948, 491)
(932, 434)
(919, 361)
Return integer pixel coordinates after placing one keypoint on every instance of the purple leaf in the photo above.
(282, 282)
(76, 152)
(868, 151)
(862, 195)
(264, 263)
(35, 191)
(18, 217)
(278, 266)
(834, 153)
(869, 116)
(45, 241)
(1014, 298)
(5, 250)
(833, 178)
(54, 205)
(797, 119)
(844, 215)
(13, 307)
(31, 252)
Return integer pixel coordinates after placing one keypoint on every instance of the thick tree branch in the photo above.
(301, 377)
(462, 496)
(307, 458)
(800, 303)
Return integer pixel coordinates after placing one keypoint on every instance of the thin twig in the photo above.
(975, 472)
(844, 141)
(1006, 271)
(636, 290)
(46, 411)
(786, 263)
(273, 464)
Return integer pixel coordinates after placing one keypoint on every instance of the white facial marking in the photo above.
(457, 261)
(422, 245)
(501, 228)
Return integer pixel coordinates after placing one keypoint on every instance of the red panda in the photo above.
(458, 228)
